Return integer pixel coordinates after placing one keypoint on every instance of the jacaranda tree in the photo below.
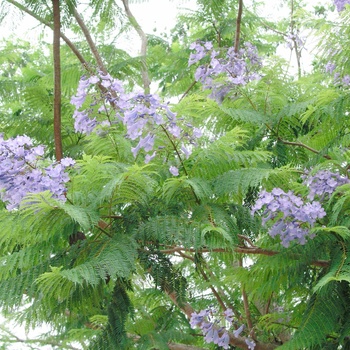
(213, 214)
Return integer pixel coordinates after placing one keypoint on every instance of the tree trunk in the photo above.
(57, 79)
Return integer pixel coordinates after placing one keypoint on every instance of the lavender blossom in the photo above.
(209, 319)
(330, 67)
(323, 183)
(174, 170)
(340, 4)
(238, 331)
(251, 343)
(291, 216)
(295, 39)
(237, 68)
(142, 114)
(228, 315)
(224, 340)
(22, 171)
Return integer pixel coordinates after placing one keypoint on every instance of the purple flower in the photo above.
(229, 315)
(330, 67)
(346, 80)
(238, 331)
(200, 52)
(340, 4)
(224, 340)
(212, 336)
(174, 171)
(323, 183)
(251, 343)
(296, 219)
(149, 157)
(21, 174)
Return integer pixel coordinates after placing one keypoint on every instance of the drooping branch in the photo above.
(144, 71)
(57, 79)
(238, 25)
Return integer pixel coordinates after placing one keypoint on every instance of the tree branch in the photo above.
(299, 144)
(144, 71)
(242, 250)
(89, 40)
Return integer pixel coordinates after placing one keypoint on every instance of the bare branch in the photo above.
(144, 71)
(89, 40)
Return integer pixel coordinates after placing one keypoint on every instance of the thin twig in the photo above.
(188, 90)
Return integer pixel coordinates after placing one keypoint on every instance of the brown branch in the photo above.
(216, 294)
(299, 144)
(218, 34)
(247, 239)
(57, 80)
(144, 71)
(293, 143)
(89, 40)
(242, 250)
(188, 90)
(238, 25)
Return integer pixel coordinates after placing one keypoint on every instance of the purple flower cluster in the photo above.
(143, 116)
(330, 67)
(340, 4)
(323, 183)
(292, 217)
(208, 320)
(237, 68)
(21, 172)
